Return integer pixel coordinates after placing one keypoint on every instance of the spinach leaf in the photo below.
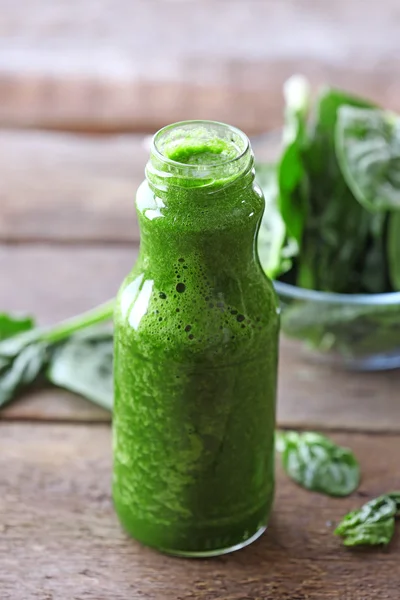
(370, 534)
(292, 177)
(372, 524)
(20, 369)
(368, 150)
(329, 101)
(393, 249)
(337, 227)
(395, 496)
(83, 364)
(275, 250)
(374, 276)
(12, 325)
(316, 463)
(25, 355)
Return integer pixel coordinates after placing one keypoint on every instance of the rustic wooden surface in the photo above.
(103, 65)
(57, 527)
(59, 537)
(60, 187)
(68, 235)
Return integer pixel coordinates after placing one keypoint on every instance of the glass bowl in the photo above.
(356, 331)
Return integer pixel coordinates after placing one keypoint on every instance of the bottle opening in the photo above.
(200, 143)
(198, 154)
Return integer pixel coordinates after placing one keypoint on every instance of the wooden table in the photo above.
(67, 237)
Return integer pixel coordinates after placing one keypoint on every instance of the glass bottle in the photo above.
(196, 345)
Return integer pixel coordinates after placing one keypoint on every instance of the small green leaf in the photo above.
(372, 524)
(11, 325)
(368, 150)
(371, 534)
(316, 463)
(83, 365)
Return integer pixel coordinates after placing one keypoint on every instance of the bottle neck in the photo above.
(196, 159)
(222, 234)
(200, 196)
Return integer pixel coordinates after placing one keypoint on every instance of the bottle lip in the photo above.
(201, 122)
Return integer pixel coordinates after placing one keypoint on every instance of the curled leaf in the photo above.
(372, 524)
(367, 145)
(313, 461)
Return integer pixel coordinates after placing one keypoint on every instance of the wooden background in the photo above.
(82, 83)
(121, 65)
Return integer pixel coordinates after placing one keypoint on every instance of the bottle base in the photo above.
(216, 551)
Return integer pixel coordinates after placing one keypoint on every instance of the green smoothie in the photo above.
(196, 337)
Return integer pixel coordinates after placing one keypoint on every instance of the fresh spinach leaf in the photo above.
(316, 463)
(370, 534)
(83, 364)
(372, 524)
(12, 325)
(21, 369)
(292, 177)
(368, 150)
(329, 101)
(374, 275)
(395, 496)
(337, 227)
(393, 249)
(275, 250)
(25, 355)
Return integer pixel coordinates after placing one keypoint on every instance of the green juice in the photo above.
(196, 338)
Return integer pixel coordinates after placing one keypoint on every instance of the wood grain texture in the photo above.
(136, 65)
(59, 282)
(69, 188)
(54, 404)
(60, 539)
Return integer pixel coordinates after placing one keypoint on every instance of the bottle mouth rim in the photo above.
(155, 150)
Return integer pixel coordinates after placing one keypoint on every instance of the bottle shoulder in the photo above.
(185, 318)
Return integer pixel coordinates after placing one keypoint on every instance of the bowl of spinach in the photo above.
(330, 235)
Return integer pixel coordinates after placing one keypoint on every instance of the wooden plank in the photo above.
(69, 188)
(314, 395)
(60, 539)
(56, 282)
(135, 66)
(54, 405)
